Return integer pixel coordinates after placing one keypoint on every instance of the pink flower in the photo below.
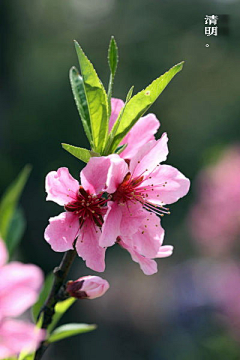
(141, 133)
(19, 289)
(89, 287)
(215, 218)
(83, 217)
(139, 190)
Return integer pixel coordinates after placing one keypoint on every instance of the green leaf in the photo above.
(139, 104)
(68, 330)
(15, 231)
(25, 356)
(97, 101)
(129, 94)
(80, 98)
(112, 62)
(9, 201)
(113, 56)
(121, 148)
(80, 153)
(42, 296)
(60, 308)
(116, 125)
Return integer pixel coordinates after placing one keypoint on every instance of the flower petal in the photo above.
(148, 239)
(165, 251)
(103, 173)
(140, 134)
(88, 248)
(149, 156)
(89, 286)
(111, 225)
(19, 287)
(132, 216)
(169, 185)
(116, 105)
(17, 336)
(148, 266)
(62, 231)
(61, 187)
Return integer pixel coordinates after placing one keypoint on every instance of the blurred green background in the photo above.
(138, 318)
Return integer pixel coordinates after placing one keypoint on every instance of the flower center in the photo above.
(131, 189)
(87, 206)
(128, 190)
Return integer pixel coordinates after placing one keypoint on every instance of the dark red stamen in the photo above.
(87, 206)
(132, 190)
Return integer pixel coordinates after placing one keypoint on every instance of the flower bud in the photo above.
(87, 287)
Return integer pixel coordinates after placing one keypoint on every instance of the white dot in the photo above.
(207, 45)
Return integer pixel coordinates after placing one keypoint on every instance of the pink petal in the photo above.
(61, 187)
(116, 105)
(89, 287)
(3, 253)
(149, 156)
(17, 336)
(116, 173)
(148, 239)
(169, 185)
(62, 231)
(148, 266)
(165, 251)
(94, 286)
(19, 287)
(111, 225)
(103, 173)
(88, 248)
(141, 133)
(132, 216)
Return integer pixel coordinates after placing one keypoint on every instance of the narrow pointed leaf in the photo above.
(80, 153)
(15, 231)
(139, 104)
(97, 101)
(112, 62)
(113, 56)
(9, 201)
(80, 98)
(68, 330)
(108, 147)
(121, 148)
(60, 309)
(129, 94)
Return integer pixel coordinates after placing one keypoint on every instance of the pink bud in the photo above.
(89, 287)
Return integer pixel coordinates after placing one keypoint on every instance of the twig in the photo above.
(60, 274)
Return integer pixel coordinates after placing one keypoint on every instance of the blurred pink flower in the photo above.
(142, 132)
(19, 289)
(87, 287)
(139, 191)
(215, 218)
(223, 285)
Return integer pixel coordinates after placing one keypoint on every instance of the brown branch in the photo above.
(60, 274)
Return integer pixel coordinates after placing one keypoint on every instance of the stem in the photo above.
(60, 274)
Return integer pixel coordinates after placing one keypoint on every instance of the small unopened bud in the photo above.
(87, 287)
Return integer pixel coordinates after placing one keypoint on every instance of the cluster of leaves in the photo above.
(94, 105)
